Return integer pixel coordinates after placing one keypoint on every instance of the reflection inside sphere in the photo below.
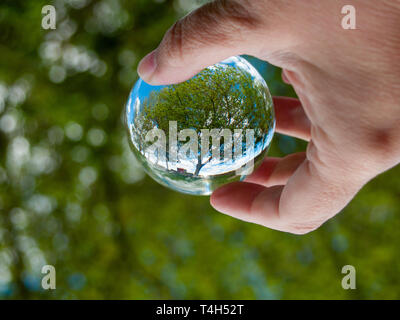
(205, 132)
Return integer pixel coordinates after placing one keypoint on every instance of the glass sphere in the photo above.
(205, 132)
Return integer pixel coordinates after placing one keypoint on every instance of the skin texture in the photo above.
(348, 84)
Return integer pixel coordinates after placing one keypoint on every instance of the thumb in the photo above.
(208, 35)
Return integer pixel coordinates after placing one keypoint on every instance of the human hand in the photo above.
(348, 84)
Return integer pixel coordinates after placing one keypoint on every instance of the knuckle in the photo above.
(375, 144)
(332, 163)
(212, 23)
(319, 163)
(241, 13)
(173, 44)
(383, 146)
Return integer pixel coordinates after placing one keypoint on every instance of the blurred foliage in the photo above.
(72, 195)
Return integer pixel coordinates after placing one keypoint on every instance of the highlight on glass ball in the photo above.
(210, 130)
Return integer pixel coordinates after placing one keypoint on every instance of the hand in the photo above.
(348, 84)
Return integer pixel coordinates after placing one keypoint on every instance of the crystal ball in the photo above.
(212, 129)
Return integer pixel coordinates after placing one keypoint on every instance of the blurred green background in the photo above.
(73, 196)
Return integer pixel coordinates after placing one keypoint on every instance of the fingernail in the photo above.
(147, 66)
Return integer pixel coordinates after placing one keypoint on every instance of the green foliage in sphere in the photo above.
(223, 98)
